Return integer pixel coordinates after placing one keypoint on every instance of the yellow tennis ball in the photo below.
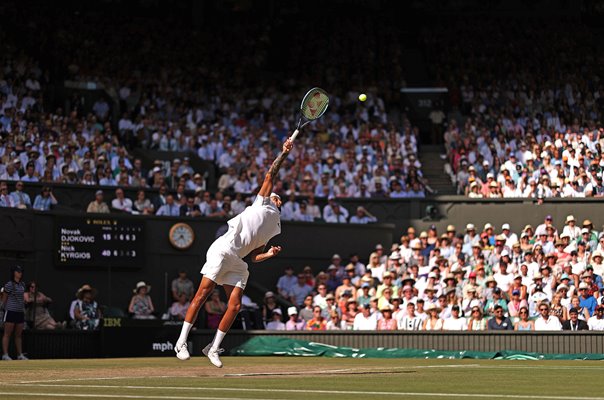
(362, 97)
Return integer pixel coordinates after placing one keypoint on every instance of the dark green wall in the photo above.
(27, 238)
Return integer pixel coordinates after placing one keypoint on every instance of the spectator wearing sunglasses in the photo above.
(499, 322)
(524, 324)
(545, 321)
(585, 299)
(317, 323)
(20, 198)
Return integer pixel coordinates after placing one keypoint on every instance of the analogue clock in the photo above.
(181, 236)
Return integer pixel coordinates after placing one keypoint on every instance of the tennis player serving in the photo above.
(248, 234)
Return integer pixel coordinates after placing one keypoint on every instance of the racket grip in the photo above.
(293, 136)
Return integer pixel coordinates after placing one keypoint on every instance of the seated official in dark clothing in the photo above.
(574, 323)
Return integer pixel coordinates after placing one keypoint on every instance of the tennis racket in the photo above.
(313, 106)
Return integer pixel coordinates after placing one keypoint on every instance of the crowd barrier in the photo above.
(121, 337)
(418, 212)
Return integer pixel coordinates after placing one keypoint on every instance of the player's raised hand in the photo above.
(274, 250)
(288, 145)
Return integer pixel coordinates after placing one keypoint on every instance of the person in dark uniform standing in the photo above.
(15, 313)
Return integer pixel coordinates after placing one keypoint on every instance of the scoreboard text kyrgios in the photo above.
(99, 241)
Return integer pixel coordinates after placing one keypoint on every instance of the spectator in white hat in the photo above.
(474, 192)
(597, 258)
(141, 305)
(471, 237)
(433, 322)
(276, 324)
(293, 324)
(386, 323)
(512, 238)
(571, 229)
(395, 262)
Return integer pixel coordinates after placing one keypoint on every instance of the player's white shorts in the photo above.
(224, 267)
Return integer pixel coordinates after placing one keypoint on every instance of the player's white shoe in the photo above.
(6, 357)
(182, 353)
(22, 357)
(213, 355)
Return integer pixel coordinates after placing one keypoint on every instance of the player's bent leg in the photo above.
(234, 294)
(203, 292)
(206, 287)
(213, 350)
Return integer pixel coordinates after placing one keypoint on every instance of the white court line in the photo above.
(351, 370)
(578, 367)
(126, 396)
(291, 372)
(316, 391)
(106, 378)
(255, 374)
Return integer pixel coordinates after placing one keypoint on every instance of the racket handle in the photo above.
(293, 136)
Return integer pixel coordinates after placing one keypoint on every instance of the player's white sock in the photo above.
(184, 332)
(218, 339)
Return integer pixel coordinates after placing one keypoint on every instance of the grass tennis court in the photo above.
(300, 378)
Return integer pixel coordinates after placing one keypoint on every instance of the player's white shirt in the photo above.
(253, 228)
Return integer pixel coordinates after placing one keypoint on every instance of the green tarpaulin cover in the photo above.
(279, 346)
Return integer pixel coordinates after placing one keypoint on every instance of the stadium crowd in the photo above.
(481, 278)
(544, 277)
(526, 119)
(176, 103)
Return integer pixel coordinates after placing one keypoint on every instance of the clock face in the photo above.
(181, 236)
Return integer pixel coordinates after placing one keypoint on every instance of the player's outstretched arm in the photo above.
(269, 179)
(258, 256)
